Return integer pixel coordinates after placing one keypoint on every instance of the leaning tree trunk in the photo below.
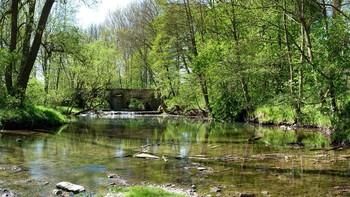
(28, 63)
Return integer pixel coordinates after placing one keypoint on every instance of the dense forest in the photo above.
(270, 61)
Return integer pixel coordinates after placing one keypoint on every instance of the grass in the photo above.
(275, 114)
(30, 117)
(284, 114)
(145, 191)
(313, 115)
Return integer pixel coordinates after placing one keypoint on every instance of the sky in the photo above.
(97, 15)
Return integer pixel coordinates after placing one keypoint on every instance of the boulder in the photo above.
(67, 186)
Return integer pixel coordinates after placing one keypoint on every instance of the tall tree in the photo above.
(30, 49)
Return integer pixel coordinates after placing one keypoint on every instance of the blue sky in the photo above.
(96, 15)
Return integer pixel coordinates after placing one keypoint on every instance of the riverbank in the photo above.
(30, 117)
(285, 116)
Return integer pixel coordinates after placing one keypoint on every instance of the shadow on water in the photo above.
(236, 157)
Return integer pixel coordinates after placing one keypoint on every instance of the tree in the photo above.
(30, 50)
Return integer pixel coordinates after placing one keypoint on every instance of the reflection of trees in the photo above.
(279, 138)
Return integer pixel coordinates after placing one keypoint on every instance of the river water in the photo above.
(200, 153)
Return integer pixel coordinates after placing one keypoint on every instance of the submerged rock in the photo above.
(57, 192)
(112, 175)
(6, 193)
(342, 190)
(246, 195)
(215, 189)
(10, 168)
(67, 186)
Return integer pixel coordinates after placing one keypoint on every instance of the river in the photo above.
(274, 162)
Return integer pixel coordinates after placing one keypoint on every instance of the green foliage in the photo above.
(35, 92)
(135, 104)
(145, 191)
(316, 116)
(30, 117)
(275, 114)
(341, 137)
(226, 106)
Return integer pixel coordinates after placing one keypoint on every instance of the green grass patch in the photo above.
(310, 115)
(275, 114)
(145, 191)
(314, 115)
(30, 117)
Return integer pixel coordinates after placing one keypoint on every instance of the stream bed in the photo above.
(217, 159)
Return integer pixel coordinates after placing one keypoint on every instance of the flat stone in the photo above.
(146, 156)
(201, 168)
(67, 186)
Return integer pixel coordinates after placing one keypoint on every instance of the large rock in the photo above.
(67, 186)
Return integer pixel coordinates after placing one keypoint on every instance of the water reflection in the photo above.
(85, 151)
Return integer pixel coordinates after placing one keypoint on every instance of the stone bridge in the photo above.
(119, 99)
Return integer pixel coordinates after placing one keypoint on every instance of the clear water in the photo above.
(84, 152)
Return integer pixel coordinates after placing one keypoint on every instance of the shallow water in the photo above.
(84, 152)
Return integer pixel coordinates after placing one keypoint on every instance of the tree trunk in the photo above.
(13, 43)
(238, 57)
(333, 99)
(289, 52)
(200, 74)
(28, 30)
(26, 68)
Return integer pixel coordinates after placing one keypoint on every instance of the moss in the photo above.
(30, 117)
